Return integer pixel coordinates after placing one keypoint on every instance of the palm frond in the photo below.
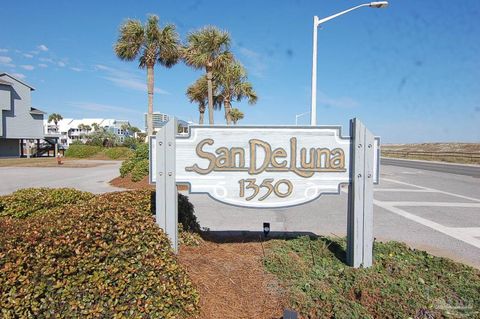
(170, 50)
(130, 40)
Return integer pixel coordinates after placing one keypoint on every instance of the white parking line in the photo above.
(431, 189)
(432, 204)
(403, 190)
(465, 234)
(470, 231)
(457, 233)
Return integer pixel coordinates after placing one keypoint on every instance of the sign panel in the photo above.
(262, 166)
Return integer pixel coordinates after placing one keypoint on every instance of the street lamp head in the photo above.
(379, 4)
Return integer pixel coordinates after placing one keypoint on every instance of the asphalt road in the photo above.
(90, 179)
(434, 211)
(468, 170)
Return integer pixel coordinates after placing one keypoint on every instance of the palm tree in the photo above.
(208, 48)
(150, 44)
(198, 92)
(96, 127)
(55, 118)
(236, 115)
(233, 85)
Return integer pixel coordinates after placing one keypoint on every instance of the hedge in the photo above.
(27, 201)
(140, 170)
(82, 151)
(117, 152)
(137, 165)
(86, 151)
(100, 258)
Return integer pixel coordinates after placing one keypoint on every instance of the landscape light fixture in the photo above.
(316, 23)
(266, 229)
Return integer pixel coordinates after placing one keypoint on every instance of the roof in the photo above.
(16, 79)
(5, 82)
(69, 123)
(36, 111)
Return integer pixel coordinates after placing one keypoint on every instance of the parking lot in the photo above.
(429, 210)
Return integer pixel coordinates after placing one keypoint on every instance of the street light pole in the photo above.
(298, 116)
(313, 111)
(316, 23)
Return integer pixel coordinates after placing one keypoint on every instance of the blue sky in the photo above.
(411, 72)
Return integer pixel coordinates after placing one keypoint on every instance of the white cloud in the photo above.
(27, 55)
(61, 64)
(339, 102)
(27, 67)
(75, 69)
(46, 60)
(101, 67)
(134, 84)
(43, 65)
(19, 75)
(255, 62)
(5, 59)
(3, 50)
(43, 47)
(126, 80)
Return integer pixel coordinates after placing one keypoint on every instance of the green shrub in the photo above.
(27, 201)
(127, 166)
(130, 142)
(102, 258)
(136, 164)
(141, 153)
(102, 138)
(117, 152)
(82, 151)
(140, 170)
(186, 215)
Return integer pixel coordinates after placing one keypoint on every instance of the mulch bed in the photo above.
(232, 281)
(230, 276)
(126, 182)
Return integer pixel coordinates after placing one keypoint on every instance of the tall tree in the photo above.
(236, 115)
(208, 48)
(55, 118)
(150, 44)
(234, 86)
(198, 92)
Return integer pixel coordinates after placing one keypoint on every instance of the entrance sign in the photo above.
(267, 167)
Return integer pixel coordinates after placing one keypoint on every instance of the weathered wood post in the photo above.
(166, 190)
(360, 197)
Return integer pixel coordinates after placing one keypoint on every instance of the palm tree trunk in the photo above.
(228, 108)
(150, 100)
(202, 114)
(210, 94)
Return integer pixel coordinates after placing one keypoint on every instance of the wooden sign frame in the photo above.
(362, 151)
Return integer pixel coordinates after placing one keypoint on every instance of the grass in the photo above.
(435, 157)
(462, 153)
(402, 283)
